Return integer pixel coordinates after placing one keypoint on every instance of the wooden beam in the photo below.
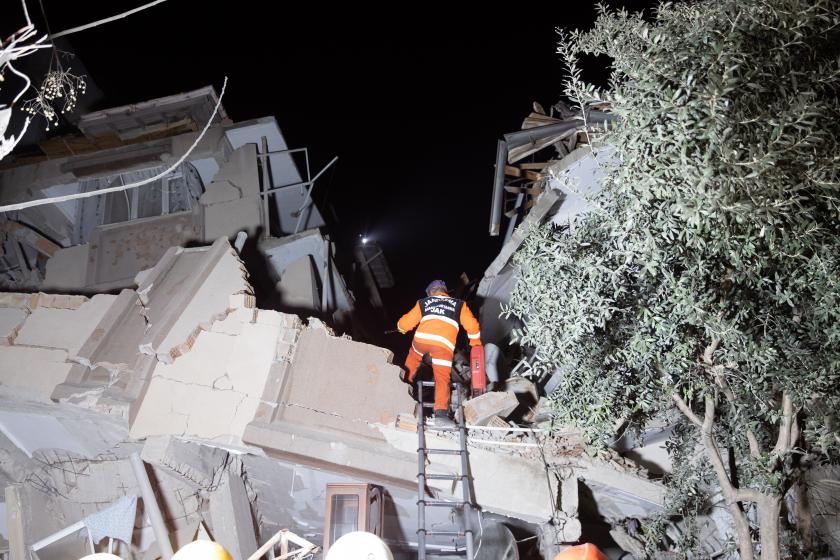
(513, 171)
(536, 166)
(534, 176)
(536, 119)
(521, 152)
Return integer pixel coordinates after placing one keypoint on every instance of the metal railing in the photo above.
(268, 188)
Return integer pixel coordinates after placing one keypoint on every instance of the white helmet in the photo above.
(359, 545)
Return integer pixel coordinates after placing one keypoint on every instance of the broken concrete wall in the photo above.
(281, 253)
(360, 388)
(186, 291)
(214, 390)
(298, 287)
(37, 352)
(290, 195)
(232, 201)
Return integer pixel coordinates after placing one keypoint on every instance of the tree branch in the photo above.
(685, 409)
(730, 494)
(720, 379)
(783, 442)
(795, 432)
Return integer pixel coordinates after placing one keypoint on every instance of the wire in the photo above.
(548, 480)
(101, 21)
(26, 12)
(481, 532)
(76, 196)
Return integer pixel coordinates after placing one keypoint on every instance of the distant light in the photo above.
(364, 240)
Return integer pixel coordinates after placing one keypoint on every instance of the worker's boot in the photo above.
(441, 419)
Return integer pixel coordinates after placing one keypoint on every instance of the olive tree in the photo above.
(706, 276)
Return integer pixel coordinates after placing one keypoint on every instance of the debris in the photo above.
(11, 319)
(200, 466)
(627, 543)
(231, 518)
(284, 536)
(150, 506)
(540, 412)
(480, 410)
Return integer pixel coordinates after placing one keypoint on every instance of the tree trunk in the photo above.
(769, 508)
(802, 513)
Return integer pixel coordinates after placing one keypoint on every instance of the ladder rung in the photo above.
(445, 476)
(428, 404)
(432, 384)
(446, 533)
(441, 428)
(440, 451)
(443, 503)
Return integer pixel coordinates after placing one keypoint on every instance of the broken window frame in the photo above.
(370, 516)
(179, 192)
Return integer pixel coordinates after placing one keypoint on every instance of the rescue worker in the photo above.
(438, 319)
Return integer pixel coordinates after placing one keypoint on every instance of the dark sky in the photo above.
(412, 99)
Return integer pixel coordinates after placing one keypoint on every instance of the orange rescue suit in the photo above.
(438, 320)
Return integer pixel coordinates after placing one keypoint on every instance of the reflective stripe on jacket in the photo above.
(438, 319)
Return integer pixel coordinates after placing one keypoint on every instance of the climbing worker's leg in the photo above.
(412, 362)
(442, 367)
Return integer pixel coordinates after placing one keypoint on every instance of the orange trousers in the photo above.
(441, 367)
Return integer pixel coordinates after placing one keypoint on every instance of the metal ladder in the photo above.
(466, 482)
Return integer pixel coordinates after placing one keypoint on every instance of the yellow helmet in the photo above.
(202, 550)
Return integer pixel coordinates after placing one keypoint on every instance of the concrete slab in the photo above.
(65, 329)
(31, 432)
(186, 292)
(11, 320)
(240, 171)
(18, 300)
(213, 390)
(230, 513)
(33, 371)
(229, 218)
(528, 493)
(298, 288)
(200, 466)
(342, 367)
(480, 410)
(67, 269)
(119, 251)
(220, 191)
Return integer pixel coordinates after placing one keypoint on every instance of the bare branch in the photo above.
(730, 494)
(783, 443)
(720, 379)
(794, 432)
(685, 409)
(710, 350)
(755, 448)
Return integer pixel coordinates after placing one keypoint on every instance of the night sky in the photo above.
(412, 99)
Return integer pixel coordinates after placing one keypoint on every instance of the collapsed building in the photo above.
(241, 177)
(249, 419)
(130, 328)
(131, 335)
(142, 387)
